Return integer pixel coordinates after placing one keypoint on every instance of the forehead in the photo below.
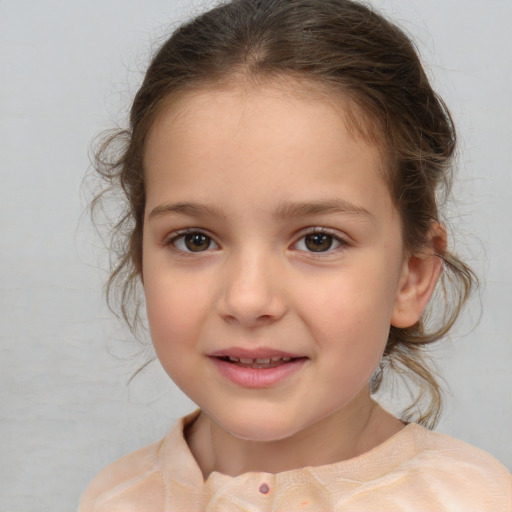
(187, 104)
(275, 140)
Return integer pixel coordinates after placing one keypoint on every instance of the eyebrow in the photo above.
(190, 209)
(285, 210)
(336, 206)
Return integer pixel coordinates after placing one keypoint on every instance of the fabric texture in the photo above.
(415, 470)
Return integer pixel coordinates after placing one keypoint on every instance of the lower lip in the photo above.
(257, 377)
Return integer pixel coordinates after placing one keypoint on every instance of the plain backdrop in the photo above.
(68, 71)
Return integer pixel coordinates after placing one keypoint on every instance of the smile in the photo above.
(257, 372)
(266, 362)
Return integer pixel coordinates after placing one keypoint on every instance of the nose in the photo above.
(252, 295)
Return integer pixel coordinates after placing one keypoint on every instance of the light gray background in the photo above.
(67, 69)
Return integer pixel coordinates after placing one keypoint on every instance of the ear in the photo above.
(418, 279)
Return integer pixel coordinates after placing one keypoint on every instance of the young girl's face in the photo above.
(270, 237)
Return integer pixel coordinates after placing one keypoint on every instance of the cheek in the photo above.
(358, 300)
(175, 311)
(173, 327)
(350, 316)
(351, 338)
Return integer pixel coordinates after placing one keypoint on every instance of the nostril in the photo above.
(251, 298)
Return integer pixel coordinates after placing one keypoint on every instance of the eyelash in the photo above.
(180, 235)
(335, 239)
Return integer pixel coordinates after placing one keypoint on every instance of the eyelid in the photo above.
(170, 239)
(336, 235)
(342, 239)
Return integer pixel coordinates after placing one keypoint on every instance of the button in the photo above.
(264, 488)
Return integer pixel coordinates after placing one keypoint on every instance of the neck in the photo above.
(347, 433)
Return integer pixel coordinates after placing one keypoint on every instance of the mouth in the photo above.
(257, 368)
(258, 363)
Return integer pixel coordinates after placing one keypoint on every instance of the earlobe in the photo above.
(420, 274)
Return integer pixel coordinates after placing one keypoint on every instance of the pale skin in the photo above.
(253, 173)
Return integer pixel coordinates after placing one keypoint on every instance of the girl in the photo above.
(282, 170)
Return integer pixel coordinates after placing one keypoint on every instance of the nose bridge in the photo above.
(251, 293)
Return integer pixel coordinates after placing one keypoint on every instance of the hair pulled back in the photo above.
(349, 49)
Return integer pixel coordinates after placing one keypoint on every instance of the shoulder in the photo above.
(438, 445)
(139, 481)
(124, 483)
(456, 467)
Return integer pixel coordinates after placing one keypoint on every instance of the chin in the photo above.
(259, 427)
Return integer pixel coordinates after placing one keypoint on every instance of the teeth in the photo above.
(259, 361)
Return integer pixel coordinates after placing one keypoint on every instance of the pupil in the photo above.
(318, 242)
(196, 242)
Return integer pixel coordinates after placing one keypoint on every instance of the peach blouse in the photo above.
(415, 470)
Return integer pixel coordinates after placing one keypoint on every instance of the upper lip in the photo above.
(254, 353)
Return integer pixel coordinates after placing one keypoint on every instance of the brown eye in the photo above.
(197, 242)
(192, 242)
(318, 242)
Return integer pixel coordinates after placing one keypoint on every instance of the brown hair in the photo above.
(346, 47)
